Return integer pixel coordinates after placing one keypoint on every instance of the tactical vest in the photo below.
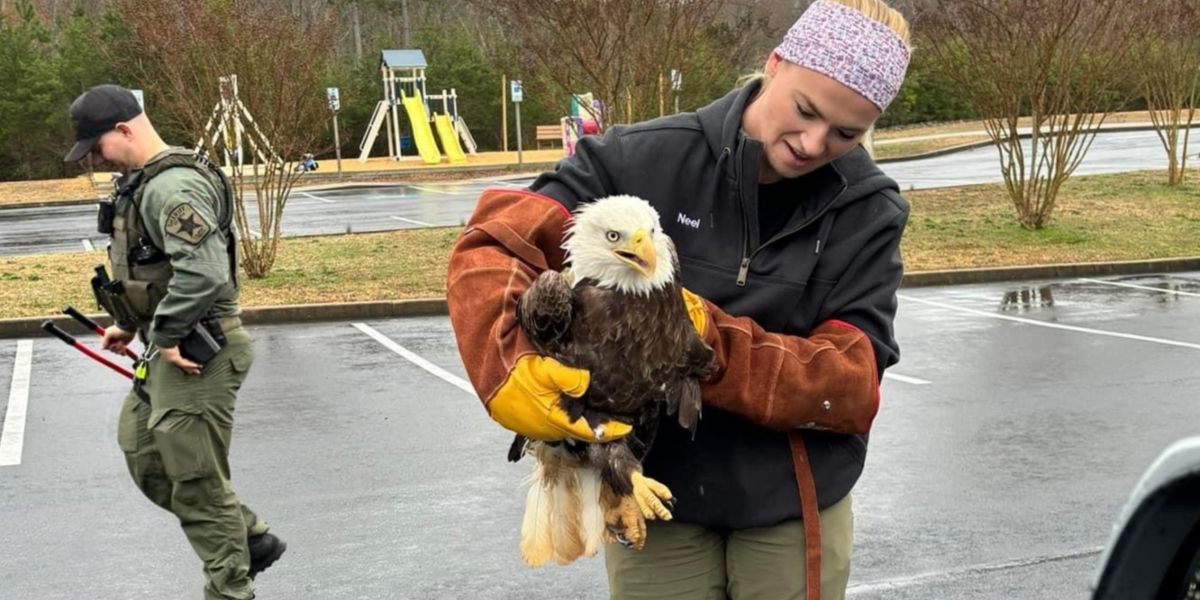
(142, 267)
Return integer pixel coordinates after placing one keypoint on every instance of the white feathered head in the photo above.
(618, 243)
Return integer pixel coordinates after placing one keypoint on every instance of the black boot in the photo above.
(265, 549)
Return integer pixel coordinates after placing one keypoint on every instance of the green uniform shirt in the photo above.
(179, 212)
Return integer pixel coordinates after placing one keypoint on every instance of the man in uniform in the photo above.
(174, 284)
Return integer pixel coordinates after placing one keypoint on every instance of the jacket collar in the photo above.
(722, 124)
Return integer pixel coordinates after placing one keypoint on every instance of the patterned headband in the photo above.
(849, 47)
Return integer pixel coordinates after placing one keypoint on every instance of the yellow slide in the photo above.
(422, 134)
(449, 138)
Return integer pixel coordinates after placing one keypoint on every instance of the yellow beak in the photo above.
(639, 253)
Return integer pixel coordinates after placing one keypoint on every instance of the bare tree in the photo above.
(615, 48)
(1059, 62)
(1170, 62)
(178, 50)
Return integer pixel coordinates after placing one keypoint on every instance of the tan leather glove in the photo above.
(527, 403)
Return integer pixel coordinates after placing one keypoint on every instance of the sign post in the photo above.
(335, 104)
(517, 95)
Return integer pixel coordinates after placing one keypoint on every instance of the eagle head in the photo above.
(617, 243)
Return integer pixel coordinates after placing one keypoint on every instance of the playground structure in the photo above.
(403, 74)
(226, 130)
(586, 118)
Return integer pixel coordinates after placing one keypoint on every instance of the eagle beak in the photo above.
(639, 253)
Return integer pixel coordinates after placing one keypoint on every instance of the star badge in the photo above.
(185, 224)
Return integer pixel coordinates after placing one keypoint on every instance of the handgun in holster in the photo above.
(110, 295)
(204, 341)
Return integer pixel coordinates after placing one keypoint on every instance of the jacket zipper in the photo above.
(747, 254)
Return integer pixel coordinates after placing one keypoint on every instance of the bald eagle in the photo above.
(617, 311)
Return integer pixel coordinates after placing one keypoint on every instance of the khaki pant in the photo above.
(177, 450)
(689, 562)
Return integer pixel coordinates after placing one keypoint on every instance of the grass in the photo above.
(1129, 216)
(914, 148)
(346, 268)
(959, 126)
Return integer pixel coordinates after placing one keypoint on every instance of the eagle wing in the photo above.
(545, 311)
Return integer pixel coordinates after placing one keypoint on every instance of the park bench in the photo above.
(548, 133)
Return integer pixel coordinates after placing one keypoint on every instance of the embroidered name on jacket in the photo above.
(690, 222)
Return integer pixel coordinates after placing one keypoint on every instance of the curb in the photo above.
(427, 307)
(988, 142)
(1059, 271)
(258, 315)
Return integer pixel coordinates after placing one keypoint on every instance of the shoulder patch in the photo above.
(185, 224)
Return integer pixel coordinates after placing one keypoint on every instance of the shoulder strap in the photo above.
(181, 157)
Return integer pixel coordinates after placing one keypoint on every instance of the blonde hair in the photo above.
(877, 10)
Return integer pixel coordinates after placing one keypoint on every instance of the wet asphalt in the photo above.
(1010, 434)
(65, 229)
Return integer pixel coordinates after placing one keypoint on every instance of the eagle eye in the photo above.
(612, 236)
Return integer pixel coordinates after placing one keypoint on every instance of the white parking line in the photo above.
(898, 583)
(325, 200)
(906, 379)
(432, 190)
(87, 245)
(411, 357)
(12, 438)
(1127, 336)
(413, 221)
(1140, 287)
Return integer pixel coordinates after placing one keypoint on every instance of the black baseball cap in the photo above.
(97, 112)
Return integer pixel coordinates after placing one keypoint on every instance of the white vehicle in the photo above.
(1154, 550)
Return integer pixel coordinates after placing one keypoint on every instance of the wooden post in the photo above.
(628, 105)
(662, 101)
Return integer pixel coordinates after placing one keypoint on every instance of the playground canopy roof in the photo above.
(403, 59)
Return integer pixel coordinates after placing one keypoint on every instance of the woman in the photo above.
(790, 234)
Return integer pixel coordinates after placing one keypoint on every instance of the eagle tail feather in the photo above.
(563, 519)
(537, 545)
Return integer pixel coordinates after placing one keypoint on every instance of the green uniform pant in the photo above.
(177, 450)
(682, 561)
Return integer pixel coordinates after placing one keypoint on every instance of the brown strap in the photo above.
(810, 512)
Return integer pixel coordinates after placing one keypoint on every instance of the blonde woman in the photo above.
(789, 238)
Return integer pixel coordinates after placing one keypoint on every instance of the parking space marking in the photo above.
(87, 245)
(325, 200)
(906, 379)
(413, 221)
(982, 313)
(413, 358)
(12, 438)
(433, 190)
(897, 583)
(1140, 287)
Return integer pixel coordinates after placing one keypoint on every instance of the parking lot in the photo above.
(1010, 434)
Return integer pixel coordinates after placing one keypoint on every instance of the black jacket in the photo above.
(838, 258)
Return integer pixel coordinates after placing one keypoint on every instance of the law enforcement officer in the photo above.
(174, 284)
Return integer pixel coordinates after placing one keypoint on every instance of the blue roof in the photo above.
(404, 59)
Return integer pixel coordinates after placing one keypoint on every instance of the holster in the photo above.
(112, 299)
(204, 341)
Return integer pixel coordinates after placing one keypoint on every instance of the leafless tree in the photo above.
(178, 50)
(1170, 63)
(615, 48)
(1058, 62)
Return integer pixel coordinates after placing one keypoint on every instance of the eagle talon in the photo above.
(625, 523)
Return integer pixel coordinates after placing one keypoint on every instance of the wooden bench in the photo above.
(548, 133)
